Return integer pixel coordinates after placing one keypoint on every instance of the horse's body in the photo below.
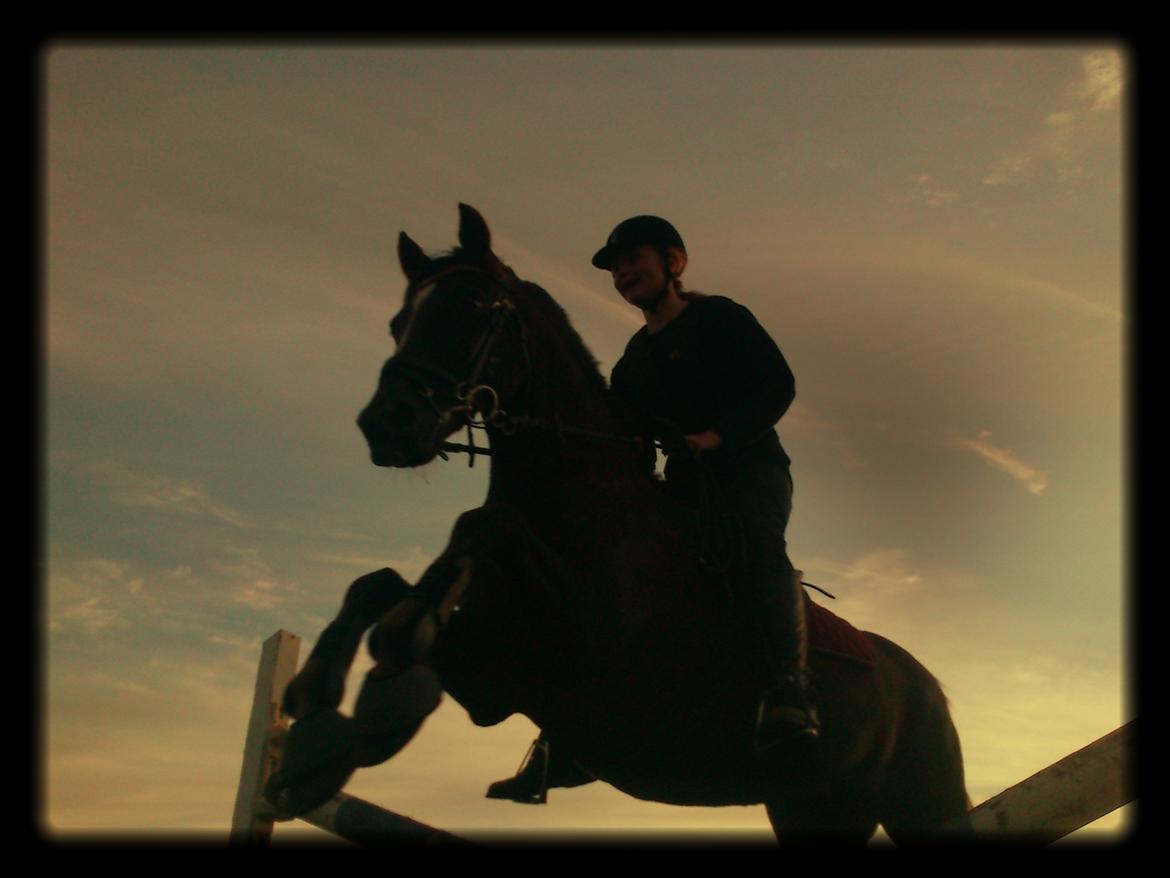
(574, 596)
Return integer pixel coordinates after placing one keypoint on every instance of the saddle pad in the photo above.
(828, 632)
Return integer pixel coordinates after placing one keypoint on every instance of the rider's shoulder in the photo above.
(714, 305)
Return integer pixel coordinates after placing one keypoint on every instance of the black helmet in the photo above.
(635, 231)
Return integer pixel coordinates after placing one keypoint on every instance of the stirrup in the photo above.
(530, 785)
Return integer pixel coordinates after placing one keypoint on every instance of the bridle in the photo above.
(472, 396)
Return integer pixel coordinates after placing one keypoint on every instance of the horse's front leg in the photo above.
(317, 755)
(403, 687)
(320, 684)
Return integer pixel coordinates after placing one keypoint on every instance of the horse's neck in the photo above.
(541, 472)
(537, 467)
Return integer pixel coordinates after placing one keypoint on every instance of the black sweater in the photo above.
(711, 368)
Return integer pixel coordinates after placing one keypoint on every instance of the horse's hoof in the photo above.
(390, 709)
(318, 761)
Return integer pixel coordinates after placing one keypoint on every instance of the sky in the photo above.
(933, 234)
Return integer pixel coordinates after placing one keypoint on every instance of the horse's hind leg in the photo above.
(927, 789)
(929, 805)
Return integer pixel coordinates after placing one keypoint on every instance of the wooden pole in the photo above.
(1069, 794)
(251, 823)
(364, 823)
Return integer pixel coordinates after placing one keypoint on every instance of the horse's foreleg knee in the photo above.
(406, 632)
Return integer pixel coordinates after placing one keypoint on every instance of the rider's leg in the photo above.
(761, 493)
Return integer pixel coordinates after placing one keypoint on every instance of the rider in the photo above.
(708, 381)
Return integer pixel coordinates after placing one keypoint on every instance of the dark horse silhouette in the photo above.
(574, 596)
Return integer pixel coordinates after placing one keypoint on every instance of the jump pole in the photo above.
(344, 815)
(1082, 787)
(278, 665)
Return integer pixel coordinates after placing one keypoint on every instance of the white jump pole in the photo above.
(1082, 787)
(251, 823)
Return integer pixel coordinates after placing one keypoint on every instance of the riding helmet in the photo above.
(634, 232)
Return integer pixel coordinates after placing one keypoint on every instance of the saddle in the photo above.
(829, 634)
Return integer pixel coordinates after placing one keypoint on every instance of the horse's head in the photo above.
(459, 340)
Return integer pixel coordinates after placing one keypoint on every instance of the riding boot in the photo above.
(786, 712)
(543, 767)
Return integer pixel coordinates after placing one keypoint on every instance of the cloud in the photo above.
(884, 571)
(182, 496)
(1033, 479)
(1065, 137)
(1006, 169)
(926, 190)
(253, 583)
(91, 614)
(185, 497)
(1103, 81)
(94, 594)
(410, 566)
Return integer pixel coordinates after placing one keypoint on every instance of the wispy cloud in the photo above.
(886, 571)
(922, 188)
(93, 594)
(1004, 460)
(252, 582)
(181, 496)
(1006, 169)
(411, 566)
(1059, 144)
(1103, 81)
(882, 589)
(92, 614)
(162, 492)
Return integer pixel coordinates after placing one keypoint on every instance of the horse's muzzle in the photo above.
(401, 434)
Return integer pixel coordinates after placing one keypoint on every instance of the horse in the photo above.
(574, 596)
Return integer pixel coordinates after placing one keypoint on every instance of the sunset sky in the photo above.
(933, 234)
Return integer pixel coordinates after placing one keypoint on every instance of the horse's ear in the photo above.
(411, 257)
(476, 240)
(474, 237)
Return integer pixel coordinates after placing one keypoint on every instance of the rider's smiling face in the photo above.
(639, 275)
